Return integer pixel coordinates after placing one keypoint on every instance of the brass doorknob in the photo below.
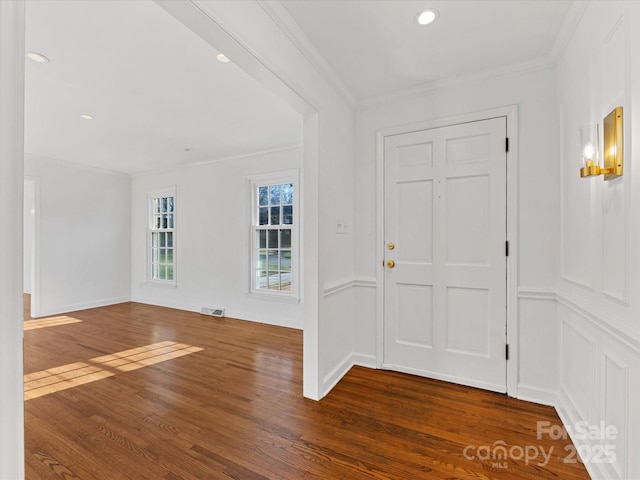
(391, 263)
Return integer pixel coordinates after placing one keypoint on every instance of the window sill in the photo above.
(172, 286)
(274, 297)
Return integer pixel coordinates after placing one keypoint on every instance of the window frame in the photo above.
(152, 195)
(254, 182)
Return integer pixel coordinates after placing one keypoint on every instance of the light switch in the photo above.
(341, 227)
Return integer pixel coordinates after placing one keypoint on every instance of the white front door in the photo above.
(445, 229)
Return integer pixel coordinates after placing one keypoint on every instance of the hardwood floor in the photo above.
(235, 410)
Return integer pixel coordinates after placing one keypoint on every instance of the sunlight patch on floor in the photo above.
(49, 322)
(72, 375)
(145, 356)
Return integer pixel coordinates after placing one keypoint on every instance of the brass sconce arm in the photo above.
(592, 170)
(613, 149)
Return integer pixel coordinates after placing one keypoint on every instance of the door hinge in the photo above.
(506, 248)
(506, 352)
(506, 144)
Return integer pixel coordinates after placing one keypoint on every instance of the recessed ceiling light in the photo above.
(86, 116)
(37, 57)
(427, 17)
(222, 58)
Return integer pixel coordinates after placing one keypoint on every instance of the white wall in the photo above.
(212, 238)
(534, 95)
(83, 238)
(599, 278)
(12, 55)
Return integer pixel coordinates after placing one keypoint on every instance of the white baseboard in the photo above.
(534, 394)
(60, 309)
(569, 417)
(164, 303)
(335, 375)
(229, 312)
(362, 360)
(276, 322)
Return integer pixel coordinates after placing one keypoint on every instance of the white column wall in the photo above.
(12, 56)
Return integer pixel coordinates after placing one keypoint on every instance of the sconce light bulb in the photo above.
(589, 151)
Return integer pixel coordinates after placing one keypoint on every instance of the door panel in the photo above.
(415, 315)
(415, 234)
(415, 155)
(445, 213)
(468, 321)
(467, 216)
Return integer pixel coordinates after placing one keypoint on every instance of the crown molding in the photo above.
(290, 28)
(223, 158)
(569, 25)
(425, 89)
(35, 157)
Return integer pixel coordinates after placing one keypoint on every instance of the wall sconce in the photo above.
(613, 150)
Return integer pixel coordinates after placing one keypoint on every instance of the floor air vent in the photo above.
(212, 311)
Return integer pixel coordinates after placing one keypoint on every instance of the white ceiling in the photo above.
(156, 89)
(153, 86)
(375, 46)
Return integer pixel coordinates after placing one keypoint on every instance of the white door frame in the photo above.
(35, 247)
(511, 114)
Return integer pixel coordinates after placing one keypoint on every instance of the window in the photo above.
(162, 221)
(274, 235)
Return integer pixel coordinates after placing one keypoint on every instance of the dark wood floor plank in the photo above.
(235, 411)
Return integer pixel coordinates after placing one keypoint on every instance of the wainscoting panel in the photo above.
(336, 333)
(599, 390)
(614, 409)
(351, 347)
(615, 253)
(537, 346)
(364, 342)
(577, 225)
(577, 363)
(615, 194)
